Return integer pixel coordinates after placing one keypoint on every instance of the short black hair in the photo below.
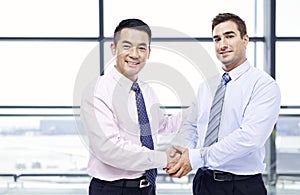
(133, 23)
(223, 17)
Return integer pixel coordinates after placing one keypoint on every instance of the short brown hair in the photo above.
(223, 17)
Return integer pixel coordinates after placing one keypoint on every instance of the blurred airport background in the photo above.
(50, 49)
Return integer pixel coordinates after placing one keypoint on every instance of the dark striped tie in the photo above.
(146, 137)
(215, 112)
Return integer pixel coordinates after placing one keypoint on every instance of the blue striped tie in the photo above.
(215, 112)
(146, 137)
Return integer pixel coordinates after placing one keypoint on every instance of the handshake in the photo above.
(178, 162)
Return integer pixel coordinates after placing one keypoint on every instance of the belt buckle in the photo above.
(215, 173)
(144, 183)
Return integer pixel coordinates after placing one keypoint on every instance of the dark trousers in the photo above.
(98, 187)
(205, 184)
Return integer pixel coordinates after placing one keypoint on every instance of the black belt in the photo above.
(129, 183)
(226, 176)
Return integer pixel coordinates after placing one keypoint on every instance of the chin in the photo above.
(132, 72)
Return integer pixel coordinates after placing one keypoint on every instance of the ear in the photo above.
(113, 48)
(246, 40)
(149, 52)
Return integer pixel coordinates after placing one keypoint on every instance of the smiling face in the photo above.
(132, 50)
(230, 47)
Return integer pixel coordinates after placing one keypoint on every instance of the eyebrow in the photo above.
(128, 42)
(226, 33)
(229, 32)
(141, 44)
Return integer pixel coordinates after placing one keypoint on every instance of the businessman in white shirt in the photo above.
(232, 162)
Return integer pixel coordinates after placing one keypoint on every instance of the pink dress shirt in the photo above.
(109, 116)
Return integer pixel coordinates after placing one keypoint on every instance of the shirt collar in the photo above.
(121, 80)
(239, 71)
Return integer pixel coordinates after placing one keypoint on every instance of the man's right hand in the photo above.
(173, 157)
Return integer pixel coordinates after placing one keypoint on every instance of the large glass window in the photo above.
(287, 135)
(43, 77)
(175, 69)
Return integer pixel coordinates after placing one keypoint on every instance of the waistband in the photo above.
(226, 176)
(129, 183)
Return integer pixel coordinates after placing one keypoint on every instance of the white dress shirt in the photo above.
(109, 116)
(250, 110)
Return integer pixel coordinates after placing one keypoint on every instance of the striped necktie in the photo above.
(215, 112)
(146, 136)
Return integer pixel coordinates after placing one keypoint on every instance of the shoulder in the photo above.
(149, 94)
(263, 80)
(146, 88)
(254, 75)
(98, 86)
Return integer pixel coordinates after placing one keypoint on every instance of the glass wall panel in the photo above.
(41, 73)
(259, 55)
(193, 18)
(287, 18)
(287, 72)
(288, 144)
(259, 20)
(49, 18)
(41, 145)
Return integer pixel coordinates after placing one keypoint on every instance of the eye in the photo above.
(217, 39)
(142, 48)
(230, 36)
(126, 46)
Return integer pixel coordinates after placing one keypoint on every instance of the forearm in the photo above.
(187, 135)
(125, 155)
(109, 146)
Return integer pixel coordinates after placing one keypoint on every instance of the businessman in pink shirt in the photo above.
(118, 159)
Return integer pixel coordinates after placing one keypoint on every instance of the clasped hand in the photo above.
(178, 162)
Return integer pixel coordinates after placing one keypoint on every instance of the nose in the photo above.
(224, 41)
(223, 44)
(133, 52)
